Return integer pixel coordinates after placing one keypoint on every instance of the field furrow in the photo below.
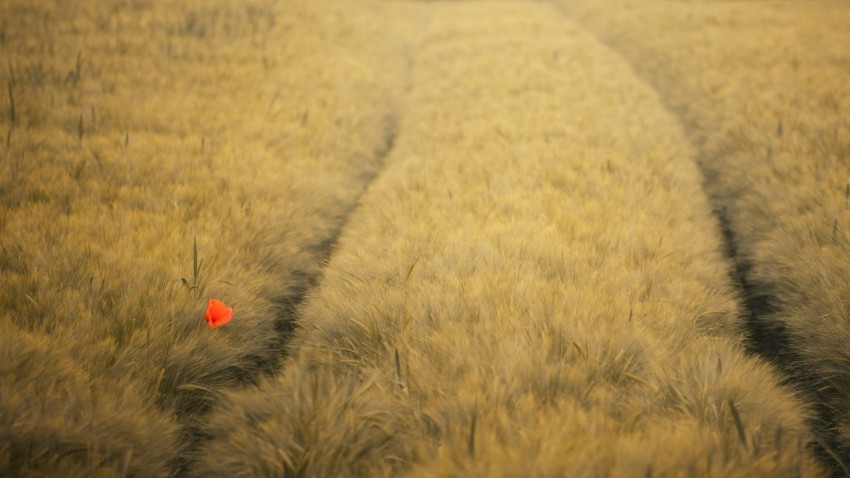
(534, 285)
(764, 90)
(156, 154)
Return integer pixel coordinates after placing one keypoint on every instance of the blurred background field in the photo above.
(154, 154)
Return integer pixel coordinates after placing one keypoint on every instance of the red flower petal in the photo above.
(217, 313)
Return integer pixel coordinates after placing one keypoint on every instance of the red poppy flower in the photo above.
(218, 313)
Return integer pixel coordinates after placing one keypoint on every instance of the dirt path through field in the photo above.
(533, 285)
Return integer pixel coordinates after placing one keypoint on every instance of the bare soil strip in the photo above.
(534, 285)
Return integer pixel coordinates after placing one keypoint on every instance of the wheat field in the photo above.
(768, 109)
(458, 238)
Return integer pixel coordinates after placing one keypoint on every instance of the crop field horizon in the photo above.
(421, 238)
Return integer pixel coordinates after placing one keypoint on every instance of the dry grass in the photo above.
(130, 130)
(764, 90)
(534, 285)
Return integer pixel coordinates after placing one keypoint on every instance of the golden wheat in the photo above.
(764, 90)
(533, 286)
(130, 131)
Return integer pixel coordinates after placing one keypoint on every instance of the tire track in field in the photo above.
(290, 304)
(287, 306)
(768, 335)
(288, 301)
(288, 141)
